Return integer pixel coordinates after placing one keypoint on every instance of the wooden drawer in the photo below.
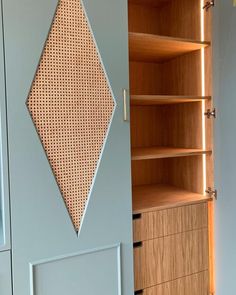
(165, 259)
(157, 224)
(197, 284)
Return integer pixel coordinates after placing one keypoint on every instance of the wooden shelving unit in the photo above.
(165, 152)
(140, 100)
(145, 197)
(154, 48)
(171, 148)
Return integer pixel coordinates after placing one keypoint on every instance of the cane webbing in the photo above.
(71, 105)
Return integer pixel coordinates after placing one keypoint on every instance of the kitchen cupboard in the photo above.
(107, 149)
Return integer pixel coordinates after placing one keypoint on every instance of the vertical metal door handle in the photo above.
(125, 104)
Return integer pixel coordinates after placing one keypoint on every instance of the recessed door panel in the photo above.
(81, 273)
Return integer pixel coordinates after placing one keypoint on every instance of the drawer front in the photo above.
(197, 284)
(169, 221)
(5, 273)
(165, 259)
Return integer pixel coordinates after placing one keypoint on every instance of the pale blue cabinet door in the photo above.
(225, 144)
(49, 256)
(5, 273)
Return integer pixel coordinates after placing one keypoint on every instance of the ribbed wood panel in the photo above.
(164, 259)
(166, 222)
(197, 284)
(71, 105)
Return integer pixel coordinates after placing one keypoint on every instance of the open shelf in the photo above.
(145, 153)
(149, 47)
(164, 99)
(154, 197)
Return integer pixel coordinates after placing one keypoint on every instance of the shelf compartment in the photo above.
(142, 100)
(147, 153)
(147, 198)
(155, 48)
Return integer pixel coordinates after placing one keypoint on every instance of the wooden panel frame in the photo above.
(208, 66)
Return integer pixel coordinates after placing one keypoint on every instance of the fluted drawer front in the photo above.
(170, 221)
(197, 284)
(164, 259)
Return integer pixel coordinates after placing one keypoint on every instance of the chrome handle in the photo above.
(125, 94)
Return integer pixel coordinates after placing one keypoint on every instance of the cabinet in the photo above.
(171, 244)
(104, 192)
(69, 155)
(170, 61)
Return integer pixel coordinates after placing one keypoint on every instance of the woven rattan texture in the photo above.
(71, 105)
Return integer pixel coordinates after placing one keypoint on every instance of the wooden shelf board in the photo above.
(154, 3)
(164, 152)
(148, 198)
(164, 99)
(155, 48)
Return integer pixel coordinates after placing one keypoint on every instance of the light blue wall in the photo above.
(225, 145)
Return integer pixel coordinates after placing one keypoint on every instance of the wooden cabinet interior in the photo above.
(171, 138)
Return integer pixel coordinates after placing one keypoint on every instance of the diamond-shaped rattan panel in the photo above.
(71, 105)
